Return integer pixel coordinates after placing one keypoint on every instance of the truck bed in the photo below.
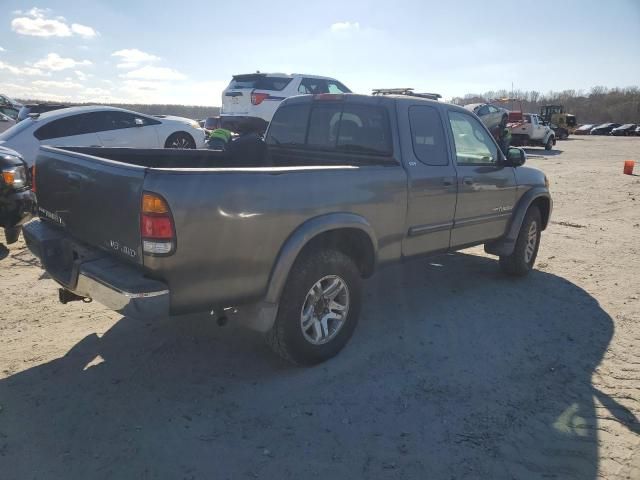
(231, 218)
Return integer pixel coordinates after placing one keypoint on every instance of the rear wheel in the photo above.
(180, 140)
(319, 308)
(524, 254)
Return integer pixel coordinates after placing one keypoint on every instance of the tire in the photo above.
(549, 144)
(12, 234)
(521, 261)
(180, 140)
(504, 121)
(288, 337)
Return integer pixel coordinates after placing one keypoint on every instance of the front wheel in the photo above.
(319, 308)
(180, 140)
(549, 144)
(524, 254)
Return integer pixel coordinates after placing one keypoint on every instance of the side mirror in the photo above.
(139, 122)
(516, 157)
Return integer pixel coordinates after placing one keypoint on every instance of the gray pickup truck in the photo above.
(346, 184)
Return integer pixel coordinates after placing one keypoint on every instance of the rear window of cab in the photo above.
(332, 126)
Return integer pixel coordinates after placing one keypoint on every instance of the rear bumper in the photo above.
(231, 122)
(91, 273)
(16, 208)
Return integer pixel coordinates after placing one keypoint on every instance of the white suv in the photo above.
(257, 95)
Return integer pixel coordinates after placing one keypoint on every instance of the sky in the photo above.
(143, 51)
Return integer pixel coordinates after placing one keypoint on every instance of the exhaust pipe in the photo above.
(65, 296)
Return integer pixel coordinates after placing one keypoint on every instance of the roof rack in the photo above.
(405, 91)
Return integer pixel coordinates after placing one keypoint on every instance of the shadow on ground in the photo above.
(541, 152)
(454, 372)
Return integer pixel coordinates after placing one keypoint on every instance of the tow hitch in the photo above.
(65, 296)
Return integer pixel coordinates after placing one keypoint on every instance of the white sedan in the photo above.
(95, 126)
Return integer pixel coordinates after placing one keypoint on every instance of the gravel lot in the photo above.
(454, 371)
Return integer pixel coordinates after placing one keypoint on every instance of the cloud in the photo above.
(59, 92)
(182, 93)
(20, 70)
(154, 73)
(55, 62)
(81, 75)
(132, 57)
(345, 26)
(2, 49)
(83, 30)
(56, 84)
(35, 23)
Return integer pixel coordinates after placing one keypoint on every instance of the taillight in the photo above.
(258, 98)
(156, 225)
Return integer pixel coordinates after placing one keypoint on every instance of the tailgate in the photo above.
(97, 201)
(236, 101)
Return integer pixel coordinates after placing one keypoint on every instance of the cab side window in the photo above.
(473, 144)
(427, 135)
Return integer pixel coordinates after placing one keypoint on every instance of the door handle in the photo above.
(467, 180)
(447, 181)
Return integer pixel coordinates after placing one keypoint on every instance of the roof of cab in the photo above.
(366, 99)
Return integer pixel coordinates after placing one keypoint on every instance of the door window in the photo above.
(474, 146)
(313, 86)
(492, 109)
(427, 135)
(69, 126)
(336, 87)
(482, 111)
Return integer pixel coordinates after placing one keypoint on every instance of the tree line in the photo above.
(189, 111)
(599, 105)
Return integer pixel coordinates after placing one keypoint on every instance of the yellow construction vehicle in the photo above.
(562, 123)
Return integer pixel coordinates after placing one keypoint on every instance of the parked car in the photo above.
(257, 95)
(624, 130)
(604, 128)
(347, 183)
(17, 201)
(492, 116)
(9, 106)
(34, 108)
(584, 129)
(637, 130)
(100, 126)
(6, 122)
(532, 130)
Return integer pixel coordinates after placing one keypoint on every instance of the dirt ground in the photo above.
(455, 371)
